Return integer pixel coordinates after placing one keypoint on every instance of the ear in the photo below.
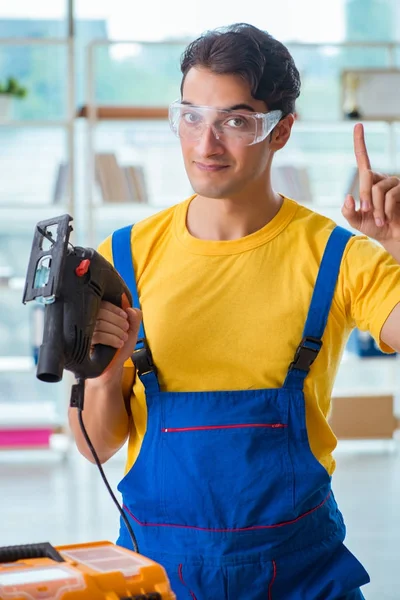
(281, 133)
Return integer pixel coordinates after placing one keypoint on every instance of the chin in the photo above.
(211, 191)
(207, 193)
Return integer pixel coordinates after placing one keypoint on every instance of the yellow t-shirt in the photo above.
(228, 315)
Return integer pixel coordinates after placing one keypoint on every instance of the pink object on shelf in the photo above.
(20, 438)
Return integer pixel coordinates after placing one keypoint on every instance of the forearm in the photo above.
(104, 416)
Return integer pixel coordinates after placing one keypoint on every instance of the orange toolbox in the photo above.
(93, 571)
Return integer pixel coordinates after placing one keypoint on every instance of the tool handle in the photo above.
(83, 295)
(103, 356)
(25, 551)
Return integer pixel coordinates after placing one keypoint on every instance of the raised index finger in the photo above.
(360, 149)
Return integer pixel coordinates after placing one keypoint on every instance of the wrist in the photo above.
(109, 380)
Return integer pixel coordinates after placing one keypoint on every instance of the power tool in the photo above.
(71, 282)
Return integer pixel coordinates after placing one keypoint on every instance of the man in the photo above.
(247, 301)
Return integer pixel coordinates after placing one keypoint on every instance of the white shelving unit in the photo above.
(49, 408)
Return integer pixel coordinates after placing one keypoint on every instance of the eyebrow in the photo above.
(241, 106)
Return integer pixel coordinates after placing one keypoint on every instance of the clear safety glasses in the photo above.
(242, 128)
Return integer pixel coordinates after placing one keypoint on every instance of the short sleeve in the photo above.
(370, 282)
(105, 249)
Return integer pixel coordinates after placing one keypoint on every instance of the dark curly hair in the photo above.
(245, 50)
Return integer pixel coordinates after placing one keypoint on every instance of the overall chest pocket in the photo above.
(225, 470)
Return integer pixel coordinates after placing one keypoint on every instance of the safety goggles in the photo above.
(242, 128)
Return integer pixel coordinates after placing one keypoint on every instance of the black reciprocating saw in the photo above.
(71, 282)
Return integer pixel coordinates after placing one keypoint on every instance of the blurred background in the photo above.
(84, 91)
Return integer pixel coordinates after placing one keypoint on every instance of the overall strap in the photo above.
(123, 263)
(320, 306)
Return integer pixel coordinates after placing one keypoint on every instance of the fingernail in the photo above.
(364, 206)
(379, 222)
(121, 343)
(123, 314)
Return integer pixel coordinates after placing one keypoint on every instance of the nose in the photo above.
(209, 144)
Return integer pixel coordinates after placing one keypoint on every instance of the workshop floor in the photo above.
(44, 497)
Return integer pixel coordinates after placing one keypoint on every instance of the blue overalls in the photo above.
(226, 493)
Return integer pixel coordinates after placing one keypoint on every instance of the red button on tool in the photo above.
(83, 267)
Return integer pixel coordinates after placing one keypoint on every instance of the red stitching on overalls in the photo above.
(232, 529)
(184, 583)
(272, 581)
(239, 426)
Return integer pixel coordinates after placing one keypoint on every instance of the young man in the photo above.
(247, 301)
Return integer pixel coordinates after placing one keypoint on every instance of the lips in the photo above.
(210, 167)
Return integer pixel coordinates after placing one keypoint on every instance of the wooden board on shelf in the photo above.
(125, 112)
(363, 417)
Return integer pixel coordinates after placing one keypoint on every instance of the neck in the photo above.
(231, 218)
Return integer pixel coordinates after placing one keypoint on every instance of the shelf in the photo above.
(26, 206)
(34, 41)
(21, 218)
(34, 123)
(60, 444)
(356, 392)
(32, 415)
(20, 364)
(367, 377)
(115, 211)
(124, 112)
(340, 124)
(12, 283)
(161, 112)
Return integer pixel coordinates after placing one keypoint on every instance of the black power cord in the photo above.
(77, 396)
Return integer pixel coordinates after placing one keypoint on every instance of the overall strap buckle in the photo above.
(143, 359)
(306, 354)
